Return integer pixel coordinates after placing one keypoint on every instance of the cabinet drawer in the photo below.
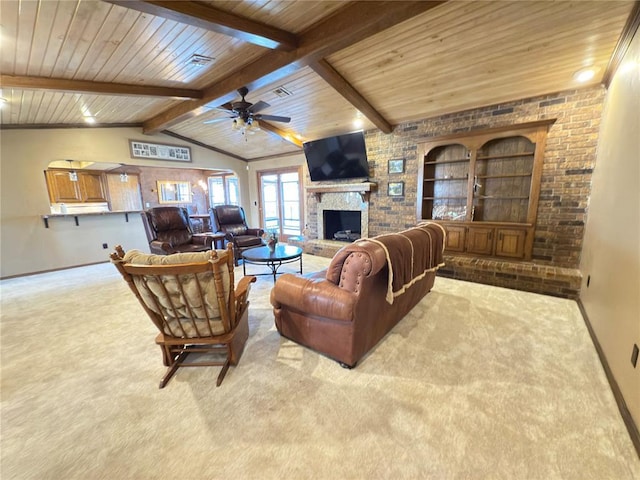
(480, 240)
(510, 242)
(455, 238)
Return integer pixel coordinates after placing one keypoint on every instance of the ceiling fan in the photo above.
(245, 114)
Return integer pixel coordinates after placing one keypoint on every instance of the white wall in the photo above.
(611, 251)
(26, 246)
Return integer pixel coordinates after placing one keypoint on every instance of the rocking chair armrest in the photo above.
(242, 293)
(244, 285)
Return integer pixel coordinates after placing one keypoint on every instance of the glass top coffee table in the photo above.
(274, 260)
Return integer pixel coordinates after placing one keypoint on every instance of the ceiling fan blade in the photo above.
(273, 118)
(256, 107)
(227, 107)
(216, 120)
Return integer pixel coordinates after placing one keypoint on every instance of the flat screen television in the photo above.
(336, 158)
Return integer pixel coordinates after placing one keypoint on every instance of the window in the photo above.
(224, 190)
(280, 205)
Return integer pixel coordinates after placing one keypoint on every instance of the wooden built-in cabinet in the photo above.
(89, 187)
(483, 187)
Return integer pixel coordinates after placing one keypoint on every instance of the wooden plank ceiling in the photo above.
(385, 63)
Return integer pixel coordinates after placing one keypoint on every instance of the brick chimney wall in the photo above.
(566, 182)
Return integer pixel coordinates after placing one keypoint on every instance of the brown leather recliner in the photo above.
(345, 310)
(169, 231)
(231, 220)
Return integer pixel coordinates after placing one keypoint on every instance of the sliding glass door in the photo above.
(280, 201)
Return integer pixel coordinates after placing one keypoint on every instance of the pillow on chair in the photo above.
(140, 258)
(190, 288)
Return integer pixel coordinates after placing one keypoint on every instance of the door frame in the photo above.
(279, 171)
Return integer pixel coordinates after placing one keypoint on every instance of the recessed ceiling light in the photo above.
(89, 119)
(585, 74)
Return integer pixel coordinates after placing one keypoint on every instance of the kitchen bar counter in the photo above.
(48, 216)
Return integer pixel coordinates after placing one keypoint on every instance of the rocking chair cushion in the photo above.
(201, 327)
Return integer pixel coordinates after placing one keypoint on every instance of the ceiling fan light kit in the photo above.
(245, 114)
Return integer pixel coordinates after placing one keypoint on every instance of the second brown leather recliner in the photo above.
(231, 220)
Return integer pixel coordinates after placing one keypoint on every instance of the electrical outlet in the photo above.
(105, 246)
(634, 356)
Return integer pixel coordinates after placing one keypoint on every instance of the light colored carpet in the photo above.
(477, 382)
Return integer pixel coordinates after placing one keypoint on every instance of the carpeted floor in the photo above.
(477, 382)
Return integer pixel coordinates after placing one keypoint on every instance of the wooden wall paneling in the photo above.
(290, 16)
(79, 36)
(9, 14)
(454, 59)
(124, 196)
(109, 43)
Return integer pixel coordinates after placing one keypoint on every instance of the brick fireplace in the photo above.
(331, 198)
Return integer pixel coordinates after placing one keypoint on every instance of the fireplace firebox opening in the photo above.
(342, 225)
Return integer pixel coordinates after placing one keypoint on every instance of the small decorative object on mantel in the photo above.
(271, 236)
(396, 165)
(396, 189)
(159, 151)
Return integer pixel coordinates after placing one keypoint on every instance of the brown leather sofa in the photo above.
(370, 285)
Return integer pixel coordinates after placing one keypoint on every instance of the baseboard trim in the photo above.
(52, 270)
(632, 428)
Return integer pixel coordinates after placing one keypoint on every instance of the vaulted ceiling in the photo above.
(168, 66)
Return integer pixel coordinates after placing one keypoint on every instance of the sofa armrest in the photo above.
(314, 296)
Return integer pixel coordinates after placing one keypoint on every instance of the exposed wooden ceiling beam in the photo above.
(344, 88)
(101, 88)
(203, 145)
(270, 128)
(210, 18)
(326, 37)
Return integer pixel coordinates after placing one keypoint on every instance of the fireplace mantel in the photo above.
(363, 189)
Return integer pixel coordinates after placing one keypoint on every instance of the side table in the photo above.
(218, 239)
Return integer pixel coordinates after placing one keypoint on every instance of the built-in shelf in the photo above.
(45, 218)
(364, 189)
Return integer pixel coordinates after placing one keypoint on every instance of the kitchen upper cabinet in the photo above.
(92, 186)
(61, 188)
(89, 186)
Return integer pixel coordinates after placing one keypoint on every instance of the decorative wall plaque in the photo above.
(159, 151)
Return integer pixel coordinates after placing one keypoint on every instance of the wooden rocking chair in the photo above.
(191, 300)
